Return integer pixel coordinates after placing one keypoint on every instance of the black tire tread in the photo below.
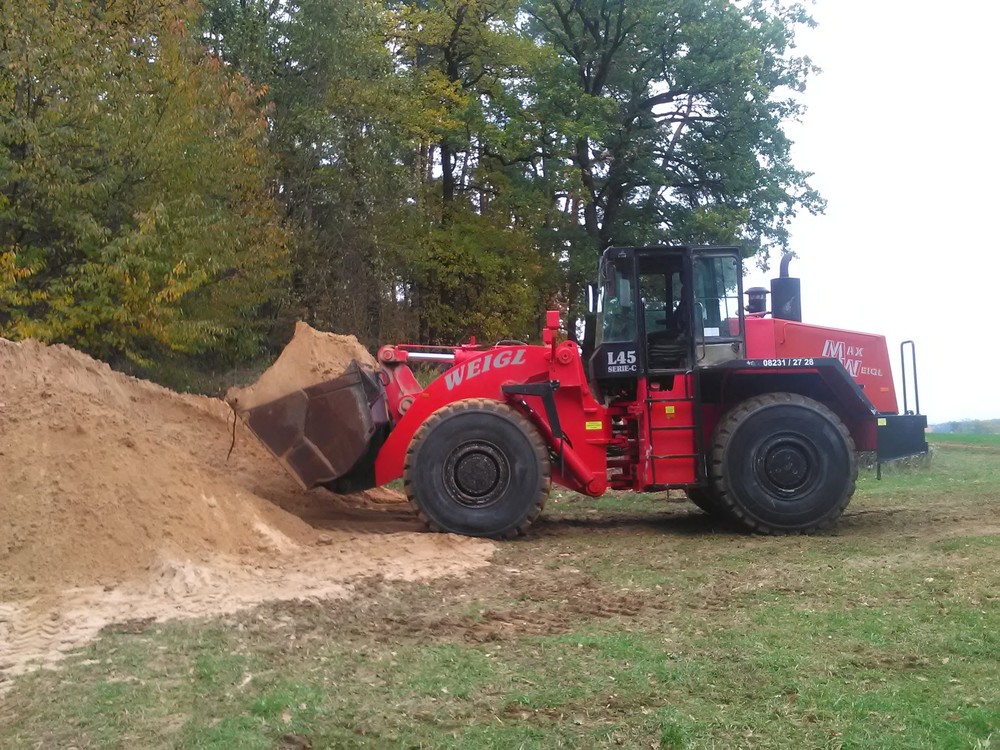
(498, 409)
(705, 499)
(735, 417)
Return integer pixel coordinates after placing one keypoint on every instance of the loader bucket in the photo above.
(327, 434)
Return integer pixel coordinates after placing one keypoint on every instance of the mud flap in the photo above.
(327, 434)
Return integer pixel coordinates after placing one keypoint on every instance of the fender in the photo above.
(578, 442)
(822, 378)
(480, 376)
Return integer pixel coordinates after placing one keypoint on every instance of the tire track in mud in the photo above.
(40, 631)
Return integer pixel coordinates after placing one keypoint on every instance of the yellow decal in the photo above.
(882, 422)
(594, 425)
(670, 409)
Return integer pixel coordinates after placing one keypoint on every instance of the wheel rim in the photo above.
(786, 465)
(477, 474)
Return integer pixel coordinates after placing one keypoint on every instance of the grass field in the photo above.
(621, 622)
(946, 438)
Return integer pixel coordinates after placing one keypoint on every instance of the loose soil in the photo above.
(116, 496)
(311, 357)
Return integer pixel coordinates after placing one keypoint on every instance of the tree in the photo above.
(474, 153)
(136, 214)
(340, 122)
(685, 100)
(598, 122)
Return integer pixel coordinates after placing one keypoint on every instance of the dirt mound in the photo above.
(102, 475)
(311, 357)
(107, 481)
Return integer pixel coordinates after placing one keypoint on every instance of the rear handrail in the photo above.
(913, 367)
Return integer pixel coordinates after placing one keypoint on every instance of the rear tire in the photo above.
(477, 468)
(782, 463)
(705, 498)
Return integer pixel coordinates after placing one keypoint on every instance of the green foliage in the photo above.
(136, 217)
(476, 281)
(180, 180)
(692, 147)
(592, 123)
(473, 144)
(340, 121)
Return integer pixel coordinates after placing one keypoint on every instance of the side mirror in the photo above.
(594, 299)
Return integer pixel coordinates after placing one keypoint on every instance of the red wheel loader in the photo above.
(756, 415)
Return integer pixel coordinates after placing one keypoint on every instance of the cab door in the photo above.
(617, 355)
(665, 309)
(717, 275)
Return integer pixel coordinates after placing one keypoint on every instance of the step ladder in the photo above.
(675, 433)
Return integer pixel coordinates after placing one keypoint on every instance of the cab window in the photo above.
(717, 297)
(618, 298)
(661, 289)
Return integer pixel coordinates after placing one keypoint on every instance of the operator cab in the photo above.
(662, 310)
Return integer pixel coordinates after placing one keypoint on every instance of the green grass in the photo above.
(953, 437)
(619, 622)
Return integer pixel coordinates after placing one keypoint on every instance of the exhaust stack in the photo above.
(786, 294)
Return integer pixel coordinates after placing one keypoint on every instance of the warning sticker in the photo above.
(882, 421)
(670, 409)
(593, 425)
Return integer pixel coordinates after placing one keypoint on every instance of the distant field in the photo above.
(954, 437)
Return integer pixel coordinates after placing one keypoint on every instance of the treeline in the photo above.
(969, 427)
(182, 180)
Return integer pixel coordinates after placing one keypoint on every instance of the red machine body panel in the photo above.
(673, 425)
(577, 431)
(865, 356)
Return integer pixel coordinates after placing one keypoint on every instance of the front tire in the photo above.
(782, 463)
(477, 468)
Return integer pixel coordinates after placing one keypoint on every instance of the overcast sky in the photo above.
(902, 136)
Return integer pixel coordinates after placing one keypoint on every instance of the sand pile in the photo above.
(101, 475)
(117, 501)
(311, 357)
